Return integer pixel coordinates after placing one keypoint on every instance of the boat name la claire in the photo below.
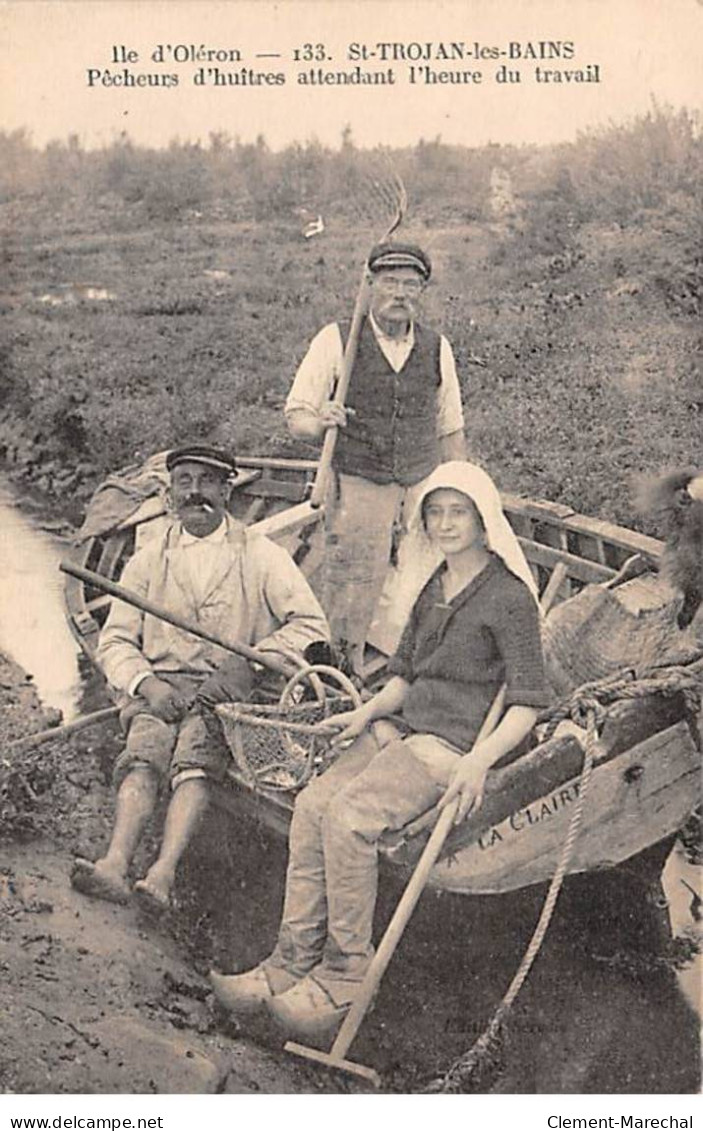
(543, 809)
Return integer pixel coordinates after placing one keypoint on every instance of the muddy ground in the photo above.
(96, 1000)
(93, 999)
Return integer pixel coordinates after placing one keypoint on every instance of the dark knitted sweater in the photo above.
(456, 654)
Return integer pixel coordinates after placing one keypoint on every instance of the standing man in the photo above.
(209, 569)
(402, 417)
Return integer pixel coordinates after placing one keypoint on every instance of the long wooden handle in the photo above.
(394, 931)
(408, 900)
(407, 903)
(319, 489)
(115, 590)
(42, 736)
(419, 878)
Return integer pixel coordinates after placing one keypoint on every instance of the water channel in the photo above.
(33, 629)
(34, 633)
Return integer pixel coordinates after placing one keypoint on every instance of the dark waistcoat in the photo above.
(392, 435)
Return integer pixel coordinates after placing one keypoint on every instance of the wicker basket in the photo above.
(596, 633)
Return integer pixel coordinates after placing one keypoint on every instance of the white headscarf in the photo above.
(472, 481)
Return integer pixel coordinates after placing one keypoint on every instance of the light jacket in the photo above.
(257, 596)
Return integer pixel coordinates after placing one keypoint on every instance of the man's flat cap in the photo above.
(389, 256)
(201, 453)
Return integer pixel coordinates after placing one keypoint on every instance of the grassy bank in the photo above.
(154, 297)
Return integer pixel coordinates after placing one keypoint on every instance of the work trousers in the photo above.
(193, 747)
(332, 877)
(365, 596)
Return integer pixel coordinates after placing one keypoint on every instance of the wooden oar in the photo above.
(99, 582)
(335, 1058)
(42, 736)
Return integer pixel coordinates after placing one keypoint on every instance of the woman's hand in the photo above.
(470, 778)
(350, 723)
(467, 784)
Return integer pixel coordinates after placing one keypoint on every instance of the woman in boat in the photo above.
(474, 627)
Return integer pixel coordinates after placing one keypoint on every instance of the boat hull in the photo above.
(637, 799)
(646, 779)
(645, 783)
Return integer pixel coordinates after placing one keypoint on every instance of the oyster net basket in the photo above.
(278, 747)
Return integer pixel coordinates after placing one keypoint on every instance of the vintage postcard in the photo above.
(343, 336)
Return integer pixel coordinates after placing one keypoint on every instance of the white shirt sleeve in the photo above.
(291, 602)
(136, 683)
(318, 372)
(450, 415)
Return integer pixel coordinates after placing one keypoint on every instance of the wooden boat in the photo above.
(647, 771)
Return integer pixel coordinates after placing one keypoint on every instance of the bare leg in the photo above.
(188, 804)
(107, 878)
(136, 799)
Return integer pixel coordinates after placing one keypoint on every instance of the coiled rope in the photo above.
(596, 697)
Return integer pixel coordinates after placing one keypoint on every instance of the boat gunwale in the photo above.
(551, 528)
(532, 518)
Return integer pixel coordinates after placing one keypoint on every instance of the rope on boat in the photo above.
(596, 697)
(587, 708)
(458, 1075)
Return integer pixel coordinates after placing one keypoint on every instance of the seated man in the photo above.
(209, 569)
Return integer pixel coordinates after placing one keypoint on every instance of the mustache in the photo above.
(198, 501)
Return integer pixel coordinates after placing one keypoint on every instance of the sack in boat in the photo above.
(601, 631)
(123, 495)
